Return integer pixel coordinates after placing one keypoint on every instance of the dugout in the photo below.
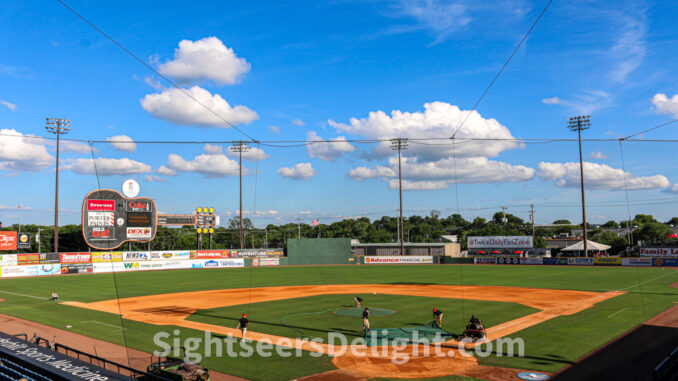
(319, 251)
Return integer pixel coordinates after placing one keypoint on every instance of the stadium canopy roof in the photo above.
(592, 246)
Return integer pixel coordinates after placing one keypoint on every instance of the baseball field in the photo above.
(560, 313)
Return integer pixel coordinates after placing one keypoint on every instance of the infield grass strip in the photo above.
(313, 316)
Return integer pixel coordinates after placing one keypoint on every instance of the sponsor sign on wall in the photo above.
(139, 206)
(101, 234)
(531, 261)
(75, 257)
(46, 258)
(485, 260)
(664, 261)
(209, 254)
(165, 255)
(637, 262)
(101, 205)
(580, 261)
(30, 270)
(217, 263)
(398, 260)
(136, 256)
(100, 219)
(499, 242)
(114, 256)
(508, 261)
(659, 251)
(256, 253)
(24, 241)
(607, 261)
(28, 259)
(265, 261)
(8, 240)
(8, 260)
(76, 268)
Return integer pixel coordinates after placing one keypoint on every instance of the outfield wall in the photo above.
(319, 251)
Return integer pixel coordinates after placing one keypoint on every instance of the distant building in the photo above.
(448, 249)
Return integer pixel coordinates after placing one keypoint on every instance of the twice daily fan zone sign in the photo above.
(500, 242)
(110, 219)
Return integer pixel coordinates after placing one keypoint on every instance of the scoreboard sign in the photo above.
(110, 219)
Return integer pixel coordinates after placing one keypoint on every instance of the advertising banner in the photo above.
(105, 256)
(166, 255)
(101, 205)
(265, 261)
(52, 258)
(209, 254)
(256, 253)
(580, 261)
(101, 233)
(30, 270)
(508, 261)
(531, 261)
(664, 261)
(100, 219)
(399, 260)
(76, 268)
(485, 260)
(607, 261)
(217, 263)
(8, 260)
(24, 241)
(8, 240)
(75, 257)
(28, 259)
(637, 262)
(499, 242)
(133, 256)
(659, 251)
(139, 233)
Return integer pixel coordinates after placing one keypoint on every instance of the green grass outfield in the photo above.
(549, 346)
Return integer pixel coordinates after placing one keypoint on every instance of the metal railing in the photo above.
(667, 370)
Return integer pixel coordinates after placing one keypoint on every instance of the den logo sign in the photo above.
(110, 219)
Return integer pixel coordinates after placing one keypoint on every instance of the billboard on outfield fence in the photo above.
(508, 261)
(265, 261)
(580, 261)
(379, 260)
(659, 251)
(136, 256)
(30, 270)
(209, 254)
(499, 242)
(485, 260)
(28, 259)
(607, 261)
(46, 258)
(664, 261)
(24, 241)
(637, 262)
(254, 253)
(75, 257)
(531, 261)
(106, 256)
(8, 240)
(217, 263)
(166, 255)
(76, 268)
(8, 260)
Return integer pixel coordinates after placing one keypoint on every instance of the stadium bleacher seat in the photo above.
(15, 372)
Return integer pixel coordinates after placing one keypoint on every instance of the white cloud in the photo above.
(363, 173)
(122, 143)
(106, 166)
(205, 59)
(174, 106)
(598, 176)
(666, 105)
(10, 106)
(301, 171)
(673, 188)
(629, 49)
(327, 151)
(417, 185)
(551, 101)
(154, 178)
(208, 165)
(22, 153)
(298, 122)
(440, 17)
(73, 146)
(252, 154)
(598, 155)
(274, 129)
(213, 149)
(438, 119)
(166, 171)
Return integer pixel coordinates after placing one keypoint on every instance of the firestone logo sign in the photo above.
(139, 233)
(138, 206)
(101, 205)
(75, 257)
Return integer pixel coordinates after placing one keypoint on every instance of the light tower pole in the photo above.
(580, 123)
(59, 127)
(400, 144)
(240, 147)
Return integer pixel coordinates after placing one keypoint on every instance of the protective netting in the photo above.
(359, 312)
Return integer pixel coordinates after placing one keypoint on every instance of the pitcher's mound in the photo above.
(358, 312)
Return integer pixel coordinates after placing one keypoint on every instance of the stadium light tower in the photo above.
(400, 144)
(59, 127)
(240, 147)
(580, 123)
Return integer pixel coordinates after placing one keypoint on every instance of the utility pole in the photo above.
(37, 239)
(19, 214)
(59, 127)
(240, 147)
(299, 227)
(503, 218)
(580, 123)
(532, 219)
(400, 144)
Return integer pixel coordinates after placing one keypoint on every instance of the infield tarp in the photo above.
(427, 333)
(318, 251)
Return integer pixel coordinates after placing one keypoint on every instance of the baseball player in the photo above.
(358, 300)
(438, 317)
(243, 323)
(366, 321)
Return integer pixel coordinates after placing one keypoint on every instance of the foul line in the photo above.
(27, 296)
(648, 281)
(623, 309)
(106, 324)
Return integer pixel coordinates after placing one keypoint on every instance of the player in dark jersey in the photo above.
(358, 300)
(243, 323)
(366, 321)
(438, 317)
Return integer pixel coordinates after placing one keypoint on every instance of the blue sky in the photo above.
(341, 70)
